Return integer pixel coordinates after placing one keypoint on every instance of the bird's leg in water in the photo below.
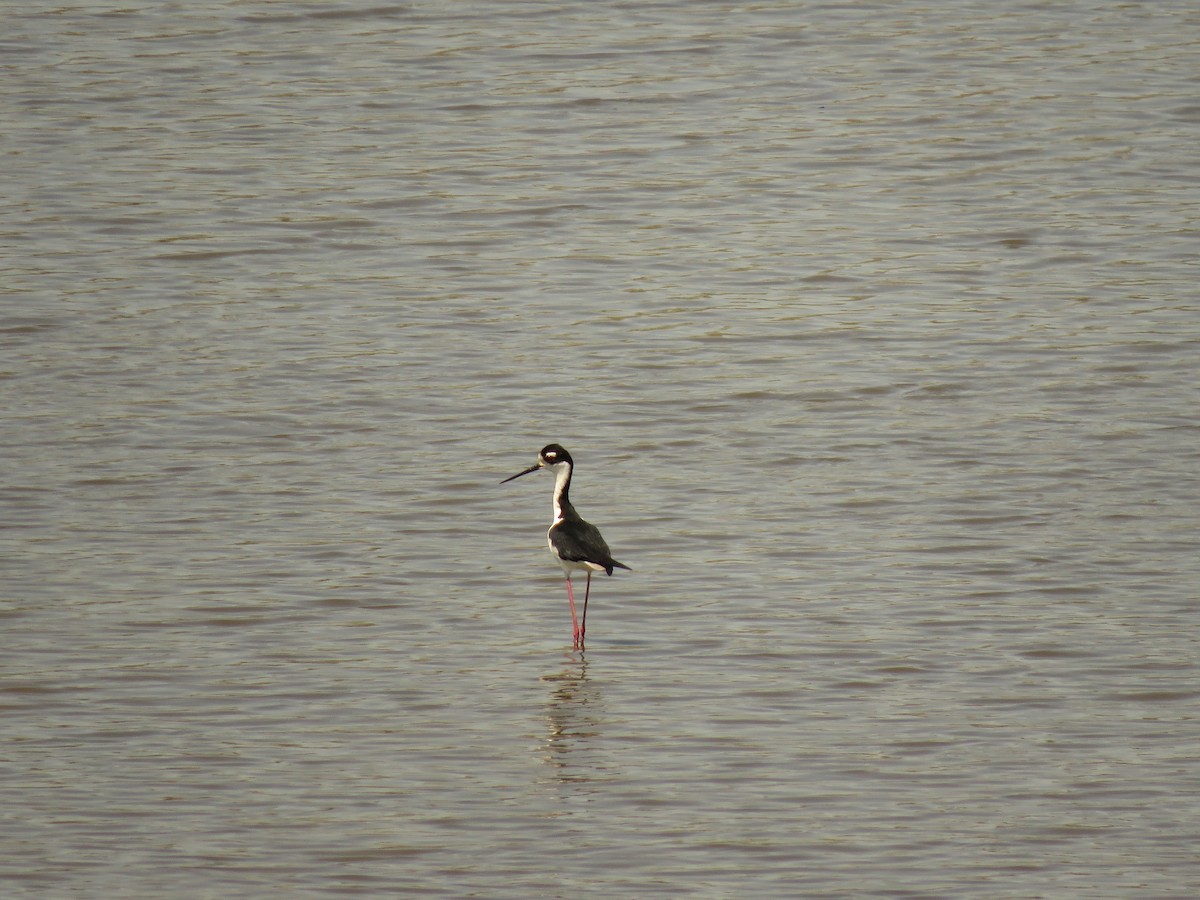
(574, 622)
(583, 628)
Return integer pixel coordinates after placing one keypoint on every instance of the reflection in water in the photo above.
(573, 716)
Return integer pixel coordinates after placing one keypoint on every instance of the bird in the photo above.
(576, 544)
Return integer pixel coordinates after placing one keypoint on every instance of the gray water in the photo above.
(873, 331)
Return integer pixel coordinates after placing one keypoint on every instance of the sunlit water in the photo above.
(873, 331)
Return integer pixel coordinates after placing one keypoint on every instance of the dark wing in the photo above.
(583, 543)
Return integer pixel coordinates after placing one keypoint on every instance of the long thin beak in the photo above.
(532, 468)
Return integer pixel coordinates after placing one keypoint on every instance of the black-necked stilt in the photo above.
(576, 544)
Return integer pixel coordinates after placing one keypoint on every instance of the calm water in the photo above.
(873, 329)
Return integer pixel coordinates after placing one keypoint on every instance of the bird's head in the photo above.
(552, 456)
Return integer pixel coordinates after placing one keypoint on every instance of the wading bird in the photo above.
(576, 544)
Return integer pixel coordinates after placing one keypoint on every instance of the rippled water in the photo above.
(873, 330)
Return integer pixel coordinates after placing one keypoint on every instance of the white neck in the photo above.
(562, 477)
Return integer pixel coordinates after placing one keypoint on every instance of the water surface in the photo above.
(872, 330)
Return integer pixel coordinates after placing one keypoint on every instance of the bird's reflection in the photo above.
(573, 718)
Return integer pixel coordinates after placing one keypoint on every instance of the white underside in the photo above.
(568, 567)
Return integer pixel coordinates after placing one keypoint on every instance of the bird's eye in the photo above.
(551, 455)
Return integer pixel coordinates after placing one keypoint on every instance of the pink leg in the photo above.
(574, 621)
(583, 628)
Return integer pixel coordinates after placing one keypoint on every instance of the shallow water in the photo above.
(872, 330)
